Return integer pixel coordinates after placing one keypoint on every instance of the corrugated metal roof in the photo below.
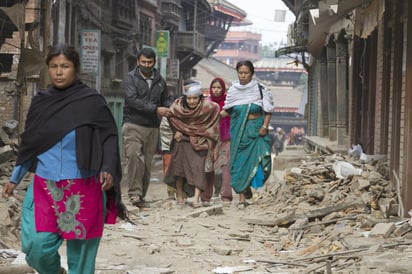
(286, 97)
(278, 63)
(210, 68)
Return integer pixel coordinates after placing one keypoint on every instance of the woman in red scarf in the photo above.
(195, 123)
(217, 92)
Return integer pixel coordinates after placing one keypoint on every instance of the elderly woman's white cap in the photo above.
(193, 89)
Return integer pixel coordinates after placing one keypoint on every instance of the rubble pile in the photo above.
(8, 148)
(330, 212)
(315, 184)
(10, 209)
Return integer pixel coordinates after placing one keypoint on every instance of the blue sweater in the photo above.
(57, 163)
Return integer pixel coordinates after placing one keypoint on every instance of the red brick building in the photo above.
(238, 45)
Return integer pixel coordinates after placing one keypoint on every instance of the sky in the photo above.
(262, 14)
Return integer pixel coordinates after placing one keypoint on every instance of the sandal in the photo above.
(242, 205)
(226, 203)
(180, 204)
(196, 205)
(206, 203)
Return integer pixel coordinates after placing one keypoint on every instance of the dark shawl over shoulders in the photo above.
(54, 113)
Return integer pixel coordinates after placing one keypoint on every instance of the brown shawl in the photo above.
(201, 124)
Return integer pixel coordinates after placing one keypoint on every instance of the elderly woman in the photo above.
(195, 123)
(250, 107)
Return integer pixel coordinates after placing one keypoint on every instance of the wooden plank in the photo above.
(290, 218)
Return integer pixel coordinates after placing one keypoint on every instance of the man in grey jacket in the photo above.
(146, 101)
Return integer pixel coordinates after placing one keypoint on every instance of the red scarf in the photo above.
(224, 124)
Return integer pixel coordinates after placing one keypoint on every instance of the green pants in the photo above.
(42, 248)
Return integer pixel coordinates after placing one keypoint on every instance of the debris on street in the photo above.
(327, 214)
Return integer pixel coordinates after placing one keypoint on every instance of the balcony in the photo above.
(171, 12)
(123, 15)
(190, 48)
(214, 32)
(191, 41)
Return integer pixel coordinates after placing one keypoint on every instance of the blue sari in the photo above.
(250, 159)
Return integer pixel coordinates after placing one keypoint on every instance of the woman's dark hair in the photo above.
(67, 50)
(246, 63)
(147, 52)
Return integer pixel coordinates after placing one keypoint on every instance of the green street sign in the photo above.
(162, 43)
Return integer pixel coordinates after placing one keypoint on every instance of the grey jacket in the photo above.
(141, 102)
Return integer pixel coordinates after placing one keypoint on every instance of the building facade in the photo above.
(238, 45)
(181, 31)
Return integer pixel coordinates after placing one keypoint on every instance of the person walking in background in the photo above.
(279, 141)
(292, 136)
(195, 123)
(146, 100)
(221, 165)
(299, 136)
(70, 140)
(250, 107)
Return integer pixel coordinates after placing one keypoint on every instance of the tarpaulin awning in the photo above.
(31, 62)
(16, 15)
(367, 19)
(323, 19)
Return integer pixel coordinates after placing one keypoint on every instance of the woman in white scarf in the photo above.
(250, 106)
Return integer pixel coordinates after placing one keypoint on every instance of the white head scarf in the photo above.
(193, 89)
(246, 94)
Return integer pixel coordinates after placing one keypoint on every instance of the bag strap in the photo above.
(260, 90)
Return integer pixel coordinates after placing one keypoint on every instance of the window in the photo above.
(145, 29)
(120, 64)
(106, 66)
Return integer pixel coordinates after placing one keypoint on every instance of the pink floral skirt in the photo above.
(72, 208)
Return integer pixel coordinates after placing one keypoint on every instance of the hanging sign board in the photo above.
(90, 50)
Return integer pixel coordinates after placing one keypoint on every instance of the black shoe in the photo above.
(141, 204)
(248, 193)
(137, 201)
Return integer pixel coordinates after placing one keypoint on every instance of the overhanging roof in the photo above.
(321, 18)
(225, 7)
(282, 64)
(290, 49)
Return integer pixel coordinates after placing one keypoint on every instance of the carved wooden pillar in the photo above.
(323, 98)
(341, 93)
(332, 104)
